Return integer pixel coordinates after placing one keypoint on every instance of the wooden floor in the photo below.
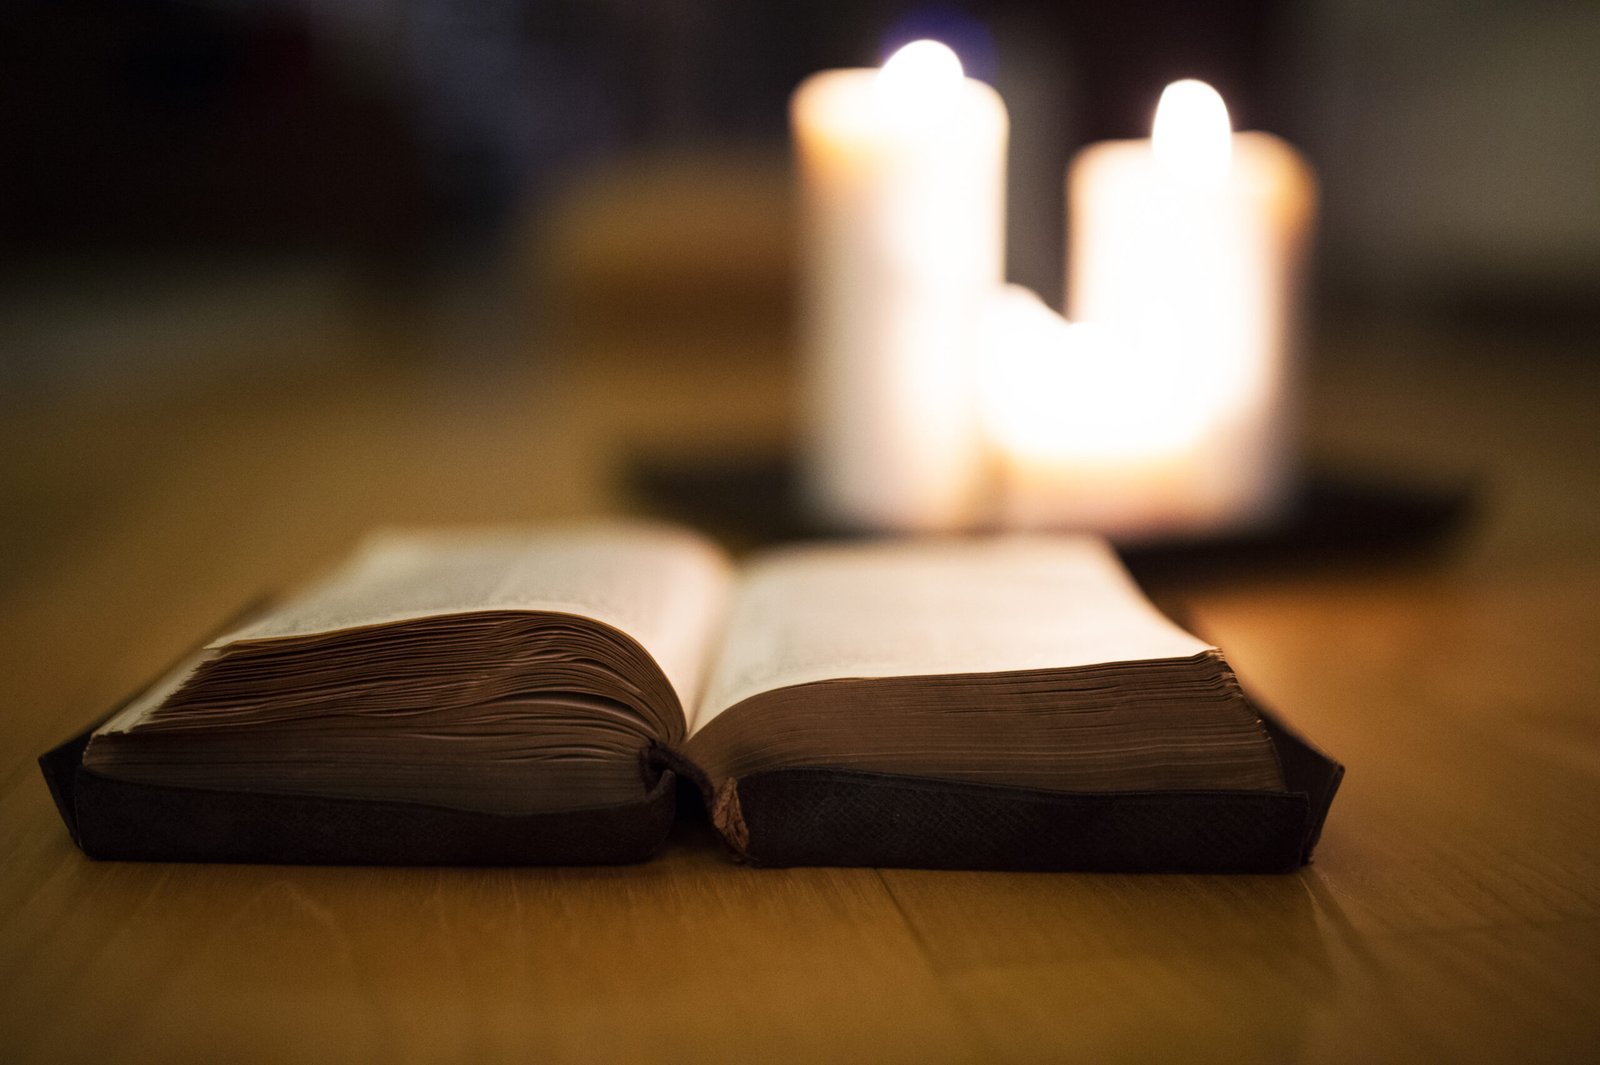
(1452, 912)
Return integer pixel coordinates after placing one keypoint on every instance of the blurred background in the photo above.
(446, 261)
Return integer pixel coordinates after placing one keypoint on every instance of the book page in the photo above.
(663, 586)
(931, 608)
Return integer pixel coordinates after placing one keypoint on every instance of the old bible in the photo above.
(516, 696)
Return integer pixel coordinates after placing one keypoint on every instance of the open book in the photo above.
(533, 696)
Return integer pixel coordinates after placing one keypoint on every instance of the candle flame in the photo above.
(919, 80)
(1192, 135)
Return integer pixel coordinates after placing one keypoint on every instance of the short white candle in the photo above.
(1188, 249)
(1082, 438)
(903, 176)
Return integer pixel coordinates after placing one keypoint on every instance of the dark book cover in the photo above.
(799, 816)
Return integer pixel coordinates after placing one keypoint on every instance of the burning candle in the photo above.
(1185, 252)
(902, 176)
(1082, 438)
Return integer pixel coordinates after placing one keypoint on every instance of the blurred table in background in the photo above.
(1453, 911)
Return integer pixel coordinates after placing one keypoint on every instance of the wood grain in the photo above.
(1453, 912)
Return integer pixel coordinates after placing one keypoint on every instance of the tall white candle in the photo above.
(903, 177)
(1187, 251)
